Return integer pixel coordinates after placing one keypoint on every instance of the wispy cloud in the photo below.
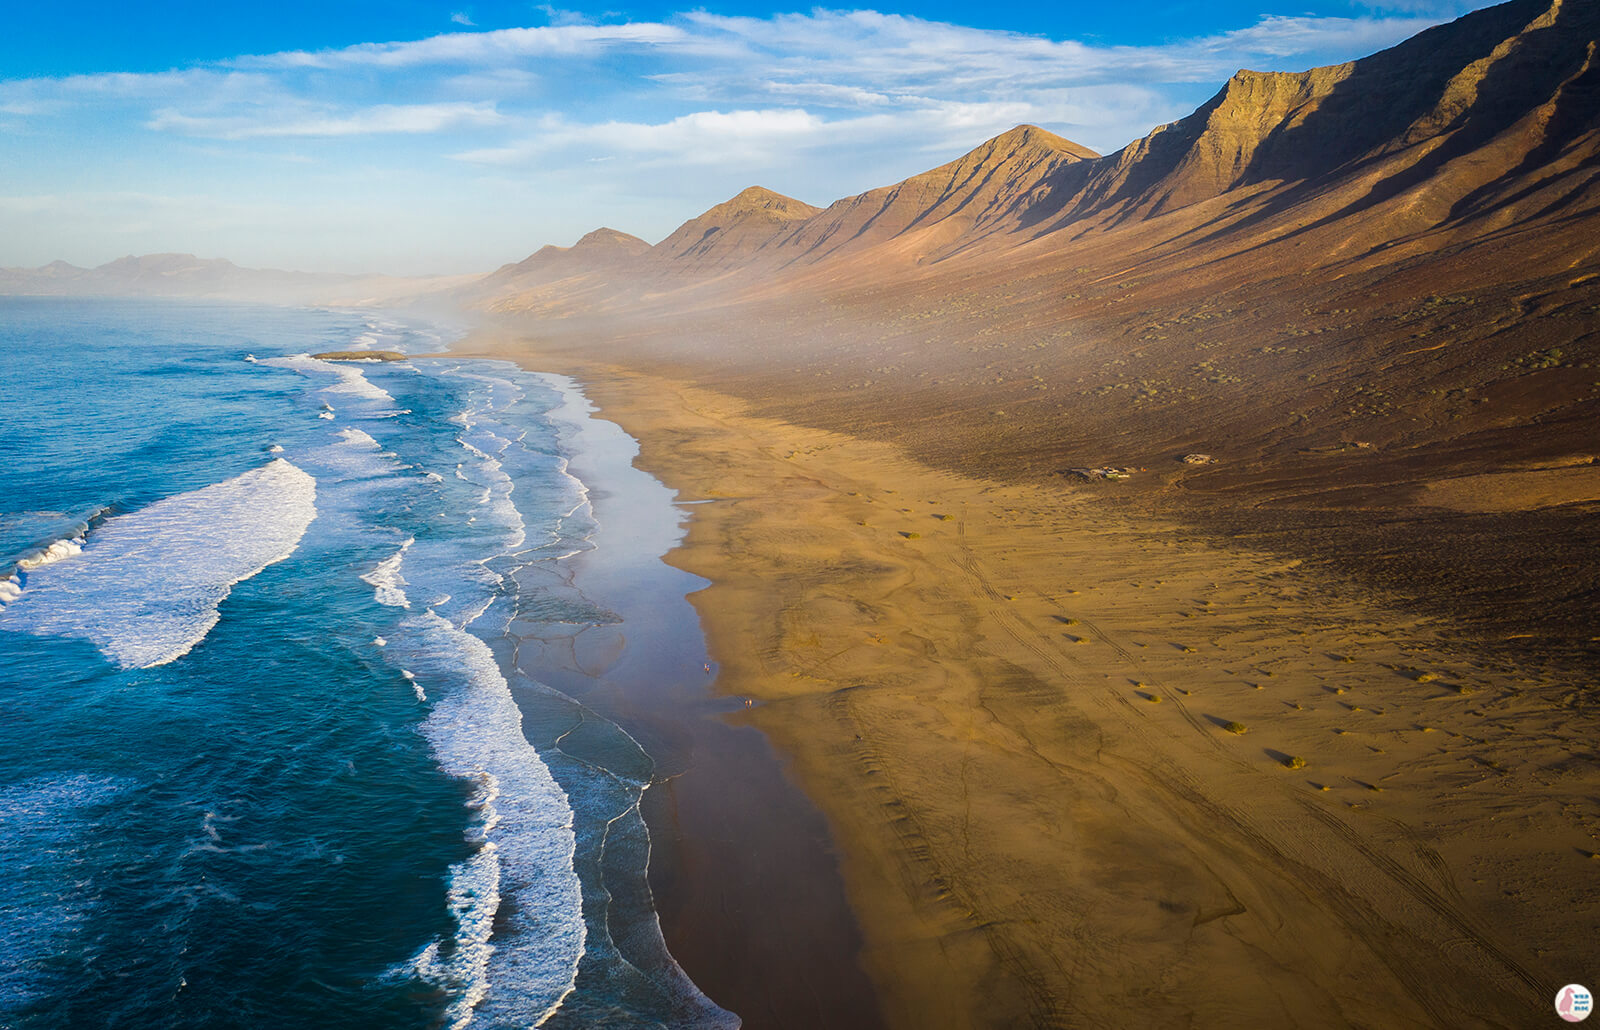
(480, 49)
(1282, 37)
(462, 18)
(752, 139)
(378, 119)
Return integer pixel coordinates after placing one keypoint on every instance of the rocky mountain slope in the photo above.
(727, 237)
(1002, 187)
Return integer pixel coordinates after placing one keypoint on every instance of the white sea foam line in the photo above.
(49, 555)
(499, 487)
(563, 467)
(348, 382)
(526, 823)
(359, 438)
(146, 587)
(386, 581)
(501, 392)
(354, 454)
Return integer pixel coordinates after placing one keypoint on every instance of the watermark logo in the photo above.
(1574, 1003)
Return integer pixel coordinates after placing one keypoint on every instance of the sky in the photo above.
(410, 137)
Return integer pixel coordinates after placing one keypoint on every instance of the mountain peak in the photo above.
(759, 199)
(1028, 136)
(606, 240)
(728, 234)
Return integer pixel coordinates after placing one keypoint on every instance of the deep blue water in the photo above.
(259, 764)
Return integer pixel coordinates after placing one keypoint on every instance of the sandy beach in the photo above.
(742, 868)
(1084, 769)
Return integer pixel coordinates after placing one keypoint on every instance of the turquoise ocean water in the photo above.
(259, 759)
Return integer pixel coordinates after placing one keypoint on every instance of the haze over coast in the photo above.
(1171, 573)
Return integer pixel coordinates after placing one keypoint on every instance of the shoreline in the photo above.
(735, 847)
(1017, 722)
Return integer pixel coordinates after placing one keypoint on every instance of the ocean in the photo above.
(265, 750)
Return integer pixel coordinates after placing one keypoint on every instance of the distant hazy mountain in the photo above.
(186, 276)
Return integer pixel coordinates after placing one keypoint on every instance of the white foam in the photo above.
(275, 449)
(359, 438)
(147, 585)
(491, 476)
(386, 581)
(10, 590)
(474, 898)
(526, 844)
(348, 382)
(56, 551)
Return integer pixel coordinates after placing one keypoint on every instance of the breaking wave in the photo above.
(145, 588)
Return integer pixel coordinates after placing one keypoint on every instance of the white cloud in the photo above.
(462, 18)
(379, 119)
(833, 94)
(479, 49)
(1275, 36)
(701, 137)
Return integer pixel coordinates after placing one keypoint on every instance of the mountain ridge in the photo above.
(1430, 129)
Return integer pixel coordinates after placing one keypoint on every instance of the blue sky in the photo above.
(413, 137)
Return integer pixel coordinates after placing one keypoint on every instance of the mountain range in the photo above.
(1480, 129)
(1366, 288)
